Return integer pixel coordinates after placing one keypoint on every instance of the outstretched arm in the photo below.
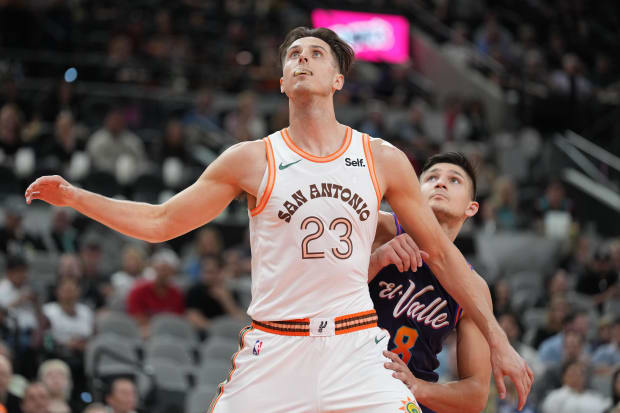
(447, 263)
(196, 205)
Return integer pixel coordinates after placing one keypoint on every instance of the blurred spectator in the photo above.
(125, 279)
(493, 39)
(599, 280)
(457, 49)
(71, 321)
(149, 298)
(120, 65)
(122, 396)
(501, 295)
(56, 152)
(501, 212)
(245, 123)
(208, 243)
(10, 130)
(552, 349)
(94, 282)
(605, 332)
(615, 393)
(201, 122)
(607, 357)
(211, 296)
(557, 285)
(56, 377)
(173, 145)
(603, 75)
(113, 142)
(36, 399)
(573, 349)
(63, 234)
(514, 330)
(557, 312)
(573, 397)
(14, 238)
(8, 399)
(24, 307)
(71, 326)
(554, 199)
(569, 81)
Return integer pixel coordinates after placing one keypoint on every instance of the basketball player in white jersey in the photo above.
(313, 192)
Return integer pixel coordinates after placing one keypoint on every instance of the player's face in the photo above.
(310, 68)
(447, 189)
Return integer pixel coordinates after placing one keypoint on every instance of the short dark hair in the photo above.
(455, 158)
(341, 50)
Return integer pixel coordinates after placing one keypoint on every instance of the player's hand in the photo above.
(401, 371)
(505, 361)
(401, 251)
(52, 189)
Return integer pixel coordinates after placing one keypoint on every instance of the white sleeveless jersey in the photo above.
(312, 230)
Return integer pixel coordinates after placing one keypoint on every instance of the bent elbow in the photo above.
(478, 398)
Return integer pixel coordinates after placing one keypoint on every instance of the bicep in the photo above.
(402, 191)
(206, 198)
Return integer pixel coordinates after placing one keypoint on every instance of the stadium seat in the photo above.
(213, 371)
(226, 326)
(110, 355)
(118, 323)
(174, 326)
(219, 347)
(199, 398)
(168, 348)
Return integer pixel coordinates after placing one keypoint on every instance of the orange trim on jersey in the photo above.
(280, 332)
(360, 327)
(343, 148)
(348, 316)
(271, 167)
(371, 168)
(242, 335)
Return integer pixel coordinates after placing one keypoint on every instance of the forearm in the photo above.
(463, 396)
(468, 289)
(374, 266)
(135, 219)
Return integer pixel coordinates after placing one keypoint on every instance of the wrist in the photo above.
(497, 336)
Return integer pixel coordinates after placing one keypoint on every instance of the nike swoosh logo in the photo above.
(281, 166)
(377, 341)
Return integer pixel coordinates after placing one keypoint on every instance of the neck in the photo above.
(451, 228)
(313, 125)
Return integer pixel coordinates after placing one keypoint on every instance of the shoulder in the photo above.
(382, 149)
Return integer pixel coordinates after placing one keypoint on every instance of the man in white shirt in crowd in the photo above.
(573, 397)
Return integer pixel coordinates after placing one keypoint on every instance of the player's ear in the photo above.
(281, 85)
(338, 82)
(472, 209)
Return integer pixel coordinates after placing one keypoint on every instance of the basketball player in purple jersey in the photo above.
(417, 311)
